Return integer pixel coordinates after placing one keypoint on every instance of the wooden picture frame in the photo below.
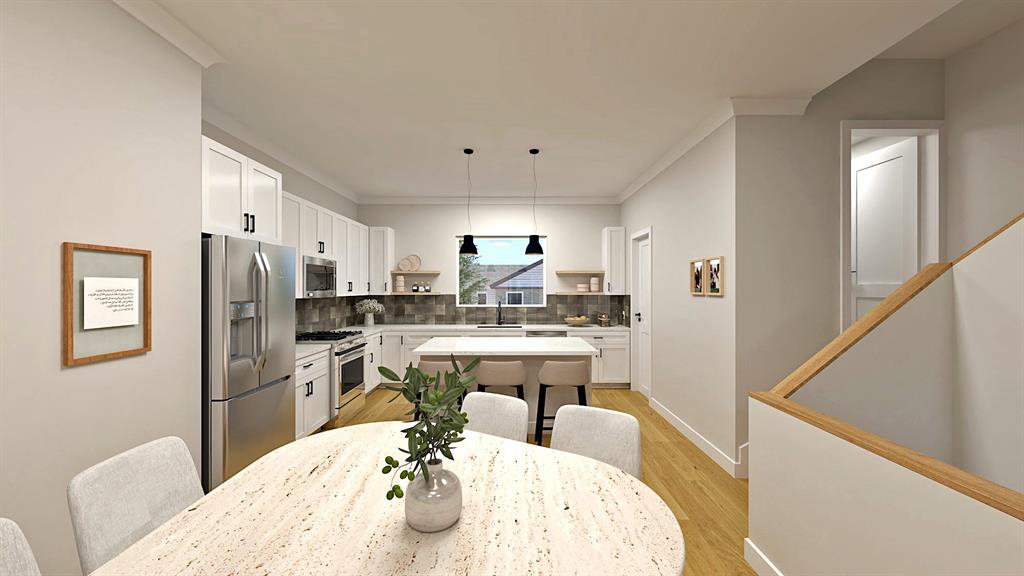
(106, 342)
(697, 280)
(714, 276)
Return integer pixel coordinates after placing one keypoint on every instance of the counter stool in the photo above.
(560, 373)
(511, 374)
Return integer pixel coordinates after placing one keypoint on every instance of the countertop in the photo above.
(377, 328)
(304, 350)
(498, 346)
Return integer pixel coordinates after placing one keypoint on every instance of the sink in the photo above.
(499, 325)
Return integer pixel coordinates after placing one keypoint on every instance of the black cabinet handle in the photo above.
(381, 339)
(349, 286)
(385, 286)
(367, 286)
(245, 222)
(308, 365)
(609, 286)
(252, 223)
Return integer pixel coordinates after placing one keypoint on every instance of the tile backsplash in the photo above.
(333, 313)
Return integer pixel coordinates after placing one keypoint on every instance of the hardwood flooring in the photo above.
(710, 505)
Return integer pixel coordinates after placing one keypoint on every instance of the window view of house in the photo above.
(501, 272)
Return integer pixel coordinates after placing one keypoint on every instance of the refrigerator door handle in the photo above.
(259, 322)
(264, 312)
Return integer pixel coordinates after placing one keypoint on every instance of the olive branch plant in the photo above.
(438, 415)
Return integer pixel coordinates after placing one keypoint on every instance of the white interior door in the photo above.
(884, 227)
(642, 320)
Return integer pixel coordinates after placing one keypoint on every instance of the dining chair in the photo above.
(606, 435)
(16, 558)
(511, 374)
(118, 501)
(497, 415)
(575, 373)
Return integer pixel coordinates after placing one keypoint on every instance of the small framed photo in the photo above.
(697, 277)
(714, 276)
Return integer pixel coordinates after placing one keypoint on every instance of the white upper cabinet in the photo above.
(241, 197)
(340, 230)
(613, 259)
(357, 265)
(382, 257)
(317, 231)
(291, 216)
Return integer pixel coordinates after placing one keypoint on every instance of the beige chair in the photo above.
(433, 367)
(16, 558)
(554, 373)
(606, 435)
(506, 374)
(497, 415)
(118, 501)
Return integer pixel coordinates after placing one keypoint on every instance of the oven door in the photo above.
(319, 277)
(349, 384)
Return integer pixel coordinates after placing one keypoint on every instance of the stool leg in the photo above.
(520, 393)
(581, 391)
(539, 433)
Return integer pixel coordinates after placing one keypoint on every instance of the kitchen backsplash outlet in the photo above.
(333, 313)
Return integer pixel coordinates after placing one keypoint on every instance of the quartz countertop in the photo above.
(377, 328)
(304, 350)
(498, 346)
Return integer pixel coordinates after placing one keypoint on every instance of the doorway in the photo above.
(641, 304)
(891, 199)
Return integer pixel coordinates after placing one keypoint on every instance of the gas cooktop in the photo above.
(326, 335)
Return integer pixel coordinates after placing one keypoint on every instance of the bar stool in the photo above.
(511, 374)
(560, 373)
(435, 367)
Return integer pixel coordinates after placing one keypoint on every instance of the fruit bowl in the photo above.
(576, 320)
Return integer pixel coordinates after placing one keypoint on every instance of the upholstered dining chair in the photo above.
(120, 500)
(606, 435)
(497, 415)
(16, 557)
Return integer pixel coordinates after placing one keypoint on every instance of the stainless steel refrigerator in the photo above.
(248, 353)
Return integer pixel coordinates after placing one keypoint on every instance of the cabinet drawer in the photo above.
(312, 366)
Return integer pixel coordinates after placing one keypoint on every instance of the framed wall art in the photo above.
(697, 277)
(107, 300)
(714, 276)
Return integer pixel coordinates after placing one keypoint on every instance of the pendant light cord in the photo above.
(534, 193)
(469, 193)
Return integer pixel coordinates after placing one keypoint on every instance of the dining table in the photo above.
(317, 506)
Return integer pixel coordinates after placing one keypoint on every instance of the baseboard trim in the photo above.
(741, 466)
(758, 561)
(714, 452)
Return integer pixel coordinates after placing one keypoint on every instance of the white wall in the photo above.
(691, 208)
(822, 506)
(101, 123)
(989, 397)
(985, 130)
(573, 234)
(294, 181)
(898, 381)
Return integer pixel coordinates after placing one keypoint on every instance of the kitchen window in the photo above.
(501, 271)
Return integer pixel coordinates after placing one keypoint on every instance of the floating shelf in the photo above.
(417, 294)
(574, 293)
(580, 272)
(417, 273)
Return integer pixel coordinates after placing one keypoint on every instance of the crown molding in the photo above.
(229, 124)
(171, 29)
(488, 200)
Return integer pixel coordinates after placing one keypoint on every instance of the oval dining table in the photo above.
(317, 507)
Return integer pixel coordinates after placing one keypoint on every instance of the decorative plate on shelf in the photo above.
(405, 265)
(415, 261)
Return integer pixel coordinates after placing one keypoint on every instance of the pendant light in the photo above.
(468, 247)
(533, 248)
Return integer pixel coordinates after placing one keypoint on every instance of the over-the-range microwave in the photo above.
(319, 277)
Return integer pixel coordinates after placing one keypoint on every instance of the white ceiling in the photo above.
(381, 98)
(960, 27)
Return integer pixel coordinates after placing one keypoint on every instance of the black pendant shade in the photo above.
(468, 247)
(534, 248)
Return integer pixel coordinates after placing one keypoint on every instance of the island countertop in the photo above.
(499, 346)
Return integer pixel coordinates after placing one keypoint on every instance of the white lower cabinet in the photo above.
(372, 361)
(391, 352)
(612, 363)
(312, 393)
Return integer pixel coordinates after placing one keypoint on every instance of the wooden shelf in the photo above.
(417, 294)
(580, 272)
(417, 273)
(574, 293)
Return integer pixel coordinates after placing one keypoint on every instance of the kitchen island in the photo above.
(533, 352)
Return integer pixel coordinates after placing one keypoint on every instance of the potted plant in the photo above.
(433, 495)
(368, 308)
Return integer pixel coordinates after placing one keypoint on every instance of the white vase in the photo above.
(436, 504)
(368, 321)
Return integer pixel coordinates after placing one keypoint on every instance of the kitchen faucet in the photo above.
(500, 320)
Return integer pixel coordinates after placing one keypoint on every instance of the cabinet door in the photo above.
(291, 214)
(264, 202)
(309, 231)
(410, 343)
(381, 251)
(371, 376)
(318, 404)
(325, 232)
(613, 255)
(340, 229)
(225, 193)
(595, 366)
(391, 353)
(352, 282)
(300, 410)
(614, 363)
(364, 259)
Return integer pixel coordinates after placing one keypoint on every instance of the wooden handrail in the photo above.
(995, 495)
(989, 238)
(859, 329)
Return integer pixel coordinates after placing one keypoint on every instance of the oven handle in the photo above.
(352, 355)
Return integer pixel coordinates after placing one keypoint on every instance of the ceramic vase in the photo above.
(368, 320)
(435, 504)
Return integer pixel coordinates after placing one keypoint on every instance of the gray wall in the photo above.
(985, 133)
(294, 181)
(101, 122)
(691, 208)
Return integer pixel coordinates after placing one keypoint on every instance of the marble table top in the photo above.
(505, 346)
(317, 507)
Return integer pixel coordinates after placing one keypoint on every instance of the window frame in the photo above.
(522, 297)
(544, 289)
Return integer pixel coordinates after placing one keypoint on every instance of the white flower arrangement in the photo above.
(369, 306)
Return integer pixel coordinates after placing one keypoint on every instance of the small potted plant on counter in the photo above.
(368, 308)
(433, 495)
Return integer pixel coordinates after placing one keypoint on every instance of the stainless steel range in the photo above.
(348, 347)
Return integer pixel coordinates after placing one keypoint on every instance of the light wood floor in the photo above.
(710, 505)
